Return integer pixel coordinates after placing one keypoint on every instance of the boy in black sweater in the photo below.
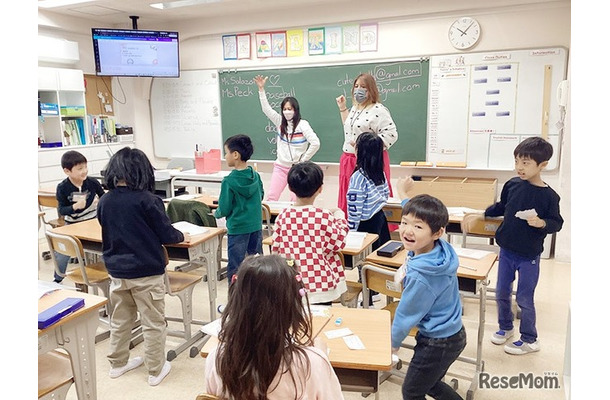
(531, 211)
(77, 198)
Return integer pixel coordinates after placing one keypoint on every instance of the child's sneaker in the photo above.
(131, 364)
(519, 347)
(501, 336)
(155, 380)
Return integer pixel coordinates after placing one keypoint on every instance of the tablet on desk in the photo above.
(390, 249)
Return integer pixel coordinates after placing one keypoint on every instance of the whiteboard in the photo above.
(481, 105)
(185, 113)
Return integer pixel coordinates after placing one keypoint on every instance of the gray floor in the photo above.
(552, 302)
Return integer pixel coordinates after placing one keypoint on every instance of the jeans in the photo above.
(62, 265)
(431, 360)
(240, 245)
(529, 271)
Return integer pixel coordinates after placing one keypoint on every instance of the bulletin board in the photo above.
(98, 95)
(481, 105)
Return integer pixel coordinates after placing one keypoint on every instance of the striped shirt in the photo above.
(364, 198)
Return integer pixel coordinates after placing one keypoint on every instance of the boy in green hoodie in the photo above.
(241, 195)
(430, 299)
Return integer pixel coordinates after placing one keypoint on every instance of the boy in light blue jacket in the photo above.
(430, 300)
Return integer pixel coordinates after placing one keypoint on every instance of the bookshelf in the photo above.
(63, 119)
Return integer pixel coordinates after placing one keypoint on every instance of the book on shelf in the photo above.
(102, 128)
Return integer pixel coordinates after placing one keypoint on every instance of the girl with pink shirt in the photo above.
(265, 350)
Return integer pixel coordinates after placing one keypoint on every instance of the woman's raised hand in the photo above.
(341, 102)
(260, 82)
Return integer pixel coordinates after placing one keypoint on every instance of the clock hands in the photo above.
(466, 30)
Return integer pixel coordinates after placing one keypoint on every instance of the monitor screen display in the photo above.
(128, 52)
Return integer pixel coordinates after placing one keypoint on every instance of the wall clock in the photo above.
(464, 33)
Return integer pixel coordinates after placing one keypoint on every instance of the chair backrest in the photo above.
(267, 219)
(380, 279)
(192, 211)
(49, 201)
(72, 247)
(483, 228)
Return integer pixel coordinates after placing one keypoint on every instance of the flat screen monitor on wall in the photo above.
(129, 52)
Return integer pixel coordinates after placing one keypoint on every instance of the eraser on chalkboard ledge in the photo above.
(408, 163)
(424, 164)
(451, 164)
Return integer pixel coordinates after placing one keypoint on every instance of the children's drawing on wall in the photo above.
(351, 38)
(229, 47)
(333, 40)
(278, 47)
(316, 41)
(243, 46)
(368, 37)
(295, 42)
(263, 45)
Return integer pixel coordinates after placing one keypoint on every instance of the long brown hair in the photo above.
(265, 326)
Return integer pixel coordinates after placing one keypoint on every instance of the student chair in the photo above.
(349, 299)
(486, 228)
(267, 228)
(381, 279)
(83, 273)
(47, 202)
(54, 375)
(181, 285)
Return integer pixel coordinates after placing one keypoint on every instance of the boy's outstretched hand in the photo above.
(404, 185)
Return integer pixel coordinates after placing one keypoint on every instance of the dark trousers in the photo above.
(238, 246)
(377, 224)
(431, 360)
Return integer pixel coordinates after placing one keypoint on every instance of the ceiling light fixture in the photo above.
(182, 3)
(60, 3)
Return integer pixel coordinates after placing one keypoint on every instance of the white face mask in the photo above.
(289, 114)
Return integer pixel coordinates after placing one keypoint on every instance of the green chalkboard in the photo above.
(403, 88)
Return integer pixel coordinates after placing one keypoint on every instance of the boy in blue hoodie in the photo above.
(430, 300)
(241, 195)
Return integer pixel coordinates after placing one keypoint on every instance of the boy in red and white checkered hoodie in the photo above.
(312, 236)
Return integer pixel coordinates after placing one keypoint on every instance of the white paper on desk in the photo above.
(526, 214)
(394, 200)
(354, 239)
(461, 211)
(353, 342)
(337, 333)
(192, 229)
(470, 253)
(213, 328)
(319, 311)
(49, 287)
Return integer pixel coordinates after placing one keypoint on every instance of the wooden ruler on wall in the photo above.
(546, 101)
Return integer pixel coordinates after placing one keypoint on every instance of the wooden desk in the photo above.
(76, 334)
(358, 255)
(470, 271)
(357, 370)
(203, 249)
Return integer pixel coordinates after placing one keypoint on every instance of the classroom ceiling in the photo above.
(118, 12)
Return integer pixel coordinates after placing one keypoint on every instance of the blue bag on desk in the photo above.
(53, 314)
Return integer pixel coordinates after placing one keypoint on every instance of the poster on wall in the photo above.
(243, 46)
(263, 45)
(278, 44)
(295, 42)
(351, 38)
(333, 40)
(368, 37)
(316, 41)
(229, 47)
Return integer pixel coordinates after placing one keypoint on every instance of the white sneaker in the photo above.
(519, 347)
(155, 380)
(131, 364)
(500, 337)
